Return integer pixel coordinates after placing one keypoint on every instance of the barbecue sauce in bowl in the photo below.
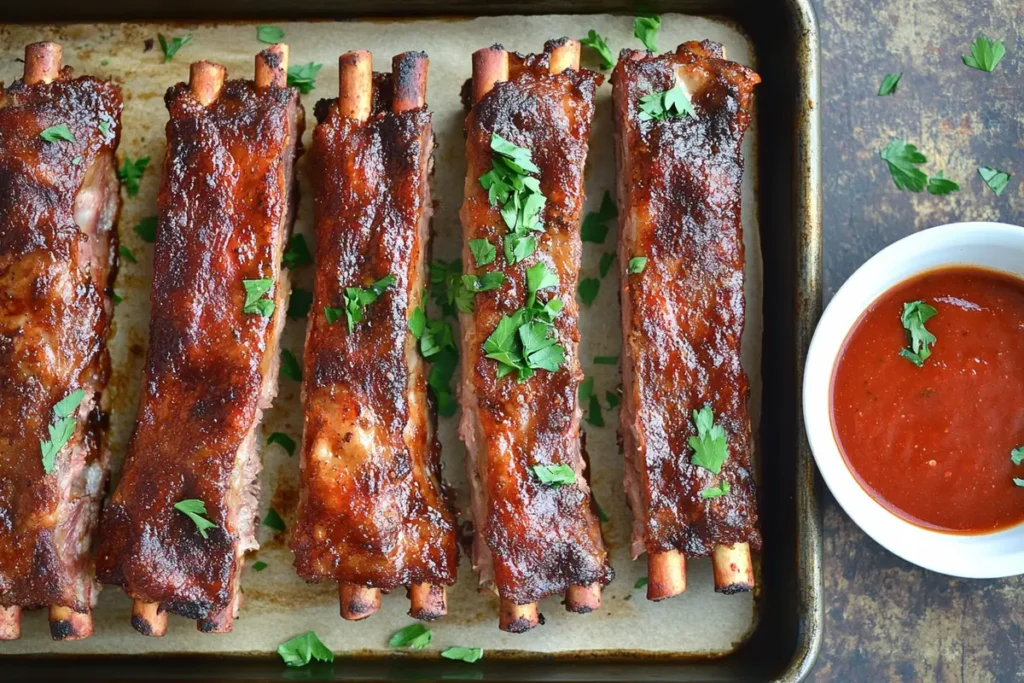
(932, 436)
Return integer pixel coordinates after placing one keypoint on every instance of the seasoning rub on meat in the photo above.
(374, 513)
(59, 203)
(680, 119)
(535, 531)
(176, 530)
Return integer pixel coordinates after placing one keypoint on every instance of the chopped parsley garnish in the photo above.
(416, 636)
(62, 429)
(464, 654)
(636, 265)
(607, 259)
(1017, 455)
(710, 449)
(302, 649)
(357, 299)
(440, 380)
(303, 76)
(58, 132)
(104, 128)
(269, 34)
(146, 229)
(510, 187)
(290, 367)
(994, 178)
(437, 336)
(446, 287)
(595, 227)
(483, 252)
(127, 254)
(131, 172)
(1018, 482)
(255, 290)
(915, 315)
(673, 103)
(939, 184)
(716, 491)
(600, 44)
(646, 29)
(273, 520)
(588, 289)
(297, 254)
(538, 277)
(554, 475)
(299, 303)
(417, 322)
(903, 160)
(283, 440)
(606, 360)
(483, 283)
(171, 47)
(640, 583)
(259, 566)
(332, 314)
(889, 84)
(985, 54)
(195, 510)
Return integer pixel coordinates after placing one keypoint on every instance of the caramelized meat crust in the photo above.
(59, 203)
(683, 316)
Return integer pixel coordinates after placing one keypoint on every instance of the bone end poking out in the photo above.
(515, 618)
(734, 571)
(272, 67)
(355, 84)
(223, 620)
(67, 624)
(148, 619)
(10, 623)
(565, 54)
(205, 81)
(583, 599)
(666, 575)
(427, 602)
(42, 62)
(358, 602)
(409, 75)
(490, 66)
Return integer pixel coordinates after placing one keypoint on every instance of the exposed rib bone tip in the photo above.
(10, 623)
(42, 62)
(427, 602)
(148, 619)
(565, 55)
(583, 599)
(358, 602)
(355, 84)
(490, 66)
(205, 81)
(67, 624)
(514, 618)
(272, 67)
(409, 77)
(666, 574)
(733, 568)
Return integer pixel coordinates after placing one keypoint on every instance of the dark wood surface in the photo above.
(885, 619)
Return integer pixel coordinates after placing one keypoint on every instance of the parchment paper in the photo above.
(277, 604)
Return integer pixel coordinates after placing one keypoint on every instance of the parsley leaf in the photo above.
(332, 314)
(673, 103)
(464, 654)
(640, 583)
(254, 301)
(646, 29)
(62, 429)
(290, 367)
(985, 54)
(195, 509)
(58, 132)
(416, 636)
(357, 299)
(104, 128)
(607, 259)
(483, 283)
(269, 34)
(594, 415)
(594, 223)
(302, 649)
(441, 374)
(297, 254)
(417, 322)
(172, 46)
(146, 229)
(283, 440)
(1017, 455)
(538, 277)
(127, 254)
(1018, 482)
(117, 298)
(517, 194)
(131, 172)
(709, 445)
(612, 398)
(994, 178)
(715, 491)
(273, 520)
(259, 566)
(483, 252)
(606, 360)
(446, 286)
(903, 159)
(636, 265)
(939, 184)
(299, 303)
(437, 335)
(303, 76)
(889, 84)
(915, 315)
(588, 289)
(600, 45)
(554, 475)
(602, 516)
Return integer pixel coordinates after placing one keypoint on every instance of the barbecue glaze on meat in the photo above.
(226, 204)
(683, 315)
(531, 540)
(59, 203)
(374, 513)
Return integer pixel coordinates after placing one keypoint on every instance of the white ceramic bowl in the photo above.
(996, 246)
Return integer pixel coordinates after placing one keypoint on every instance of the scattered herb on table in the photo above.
(994, 178)
(554, 475)
(131, 172)
(602, 516)
(889, 84)
(588, 289)
(607, 259)
(283, 440)
(297, 254)
(606, 360)
(646, 29)
(915, 315)
(416, 636)
(273, 520)
(985, 54)
(290, 367)
(303, 76)
(673, 103)
(269, 34)
(1017, 455)
(146, 229)
(600, 44)
(640, 583)
(302, 649)
(171, 47)
(195, 510)
(595, 227)
(299, 303)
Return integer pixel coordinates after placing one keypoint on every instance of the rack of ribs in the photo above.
(374, 513)
(176, 530)
(59, 203)
(535, 532)
(680, 119)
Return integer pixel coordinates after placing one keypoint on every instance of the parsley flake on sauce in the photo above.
(146, 229)
(710, 449)
(290, 367)
(483, 252)
(939, 184)
(195, 510)
(255, 290)
(58, 132)
(62, 429)
(269, 34)
(283, 440)
(273, 520)
(595, 227)
(511, 187)
(673, 103)
(302, 649)
(915, 315)
(525, 341)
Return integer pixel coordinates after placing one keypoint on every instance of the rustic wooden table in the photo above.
(887, 620)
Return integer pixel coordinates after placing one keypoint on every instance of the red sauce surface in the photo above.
(933, 444)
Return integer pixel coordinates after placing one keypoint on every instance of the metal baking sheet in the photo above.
(279, 605)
